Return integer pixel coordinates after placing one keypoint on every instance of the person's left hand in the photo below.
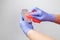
(25, 26)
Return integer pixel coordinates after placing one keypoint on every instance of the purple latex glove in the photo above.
(41, 15)
(25, 26)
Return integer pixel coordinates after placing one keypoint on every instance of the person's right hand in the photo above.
(41, 15)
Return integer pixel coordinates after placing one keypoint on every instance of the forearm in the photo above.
(57, 18)
(34, 35)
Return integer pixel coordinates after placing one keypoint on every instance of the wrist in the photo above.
(29, 31)
(57, 18)
(26, 30)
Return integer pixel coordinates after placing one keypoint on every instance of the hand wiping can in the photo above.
(27, 17)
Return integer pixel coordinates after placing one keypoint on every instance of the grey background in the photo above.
(10, 13)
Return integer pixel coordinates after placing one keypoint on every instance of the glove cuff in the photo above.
(26, 31)
(52, 17)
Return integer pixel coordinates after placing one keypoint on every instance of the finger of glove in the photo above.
(36, 8)
(36, 13)
(21, 19)
(38, 18)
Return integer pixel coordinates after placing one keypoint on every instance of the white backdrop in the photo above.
(10, 13)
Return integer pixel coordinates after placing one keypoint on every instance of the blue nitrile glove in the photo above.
(25, 26)
(41, 15)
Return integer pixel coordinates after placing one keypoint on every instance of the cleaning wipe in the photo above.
(26, 15)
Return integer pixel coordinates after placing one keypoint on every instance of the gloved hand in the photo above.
(25, 26)
(41, 15)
